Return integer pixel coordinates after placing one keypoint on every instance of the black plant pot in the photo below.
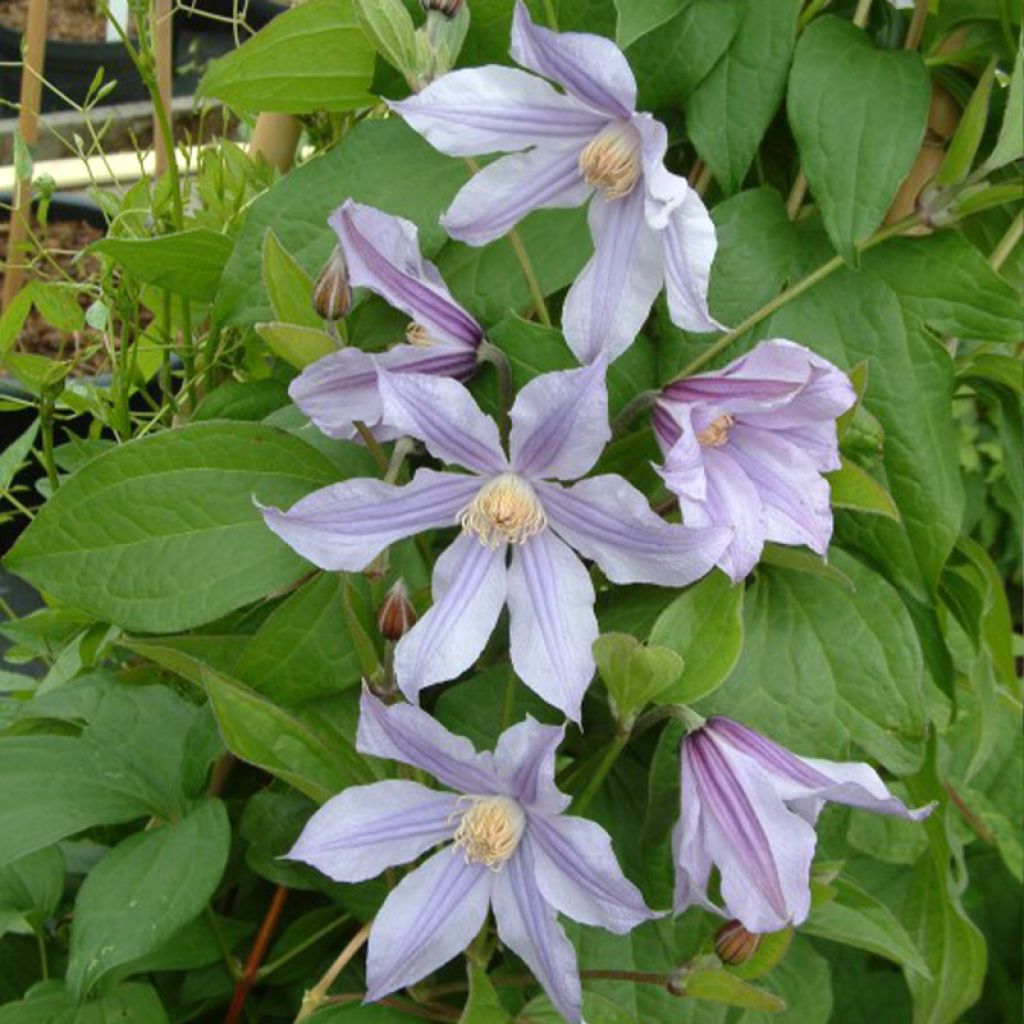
(71, 67)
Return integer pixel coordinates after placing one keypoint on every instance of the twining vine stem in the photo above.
(317, 995)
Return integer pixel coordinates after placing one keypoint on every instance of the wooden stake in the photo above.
(163, 45)
(275, 138)
(28, 129)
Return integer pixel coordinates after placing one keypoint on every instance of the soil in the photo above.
(64, 239)
(70, 20)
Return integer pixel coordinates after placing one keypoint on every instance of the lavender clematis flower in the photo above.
(749, 807)
(559, 427)
(383, 255)
(512, 848)
(649, 227)
(746, 447)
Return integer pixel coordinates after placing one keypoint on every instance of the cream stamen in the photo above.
(611, 160)
(490, 830)
(504, 509)
(417, 334)
(716, 433)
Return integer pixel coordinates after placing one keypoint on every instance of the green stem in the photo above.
(1001, 253)
(273, 965)
(46, 429)
(631, 410)
(549, 11)
(44, 963)
(611, 755)
(234, 968)
(789, 294)
(373, 446)
(488, 353)
(810, 11)
(508, 704)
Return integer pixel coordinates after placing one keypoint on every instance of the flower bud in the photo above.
(734, 944)
(332, 296)
(396, 615)
(449, 8)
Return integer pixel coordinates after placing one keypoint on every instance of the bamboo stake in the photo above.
(28, 129)
(163, 47)
(274, 138)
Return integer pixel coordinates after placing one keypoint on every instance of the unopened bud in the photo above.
(332, 296)
(396, 615)
(449, 8)
(734, 944)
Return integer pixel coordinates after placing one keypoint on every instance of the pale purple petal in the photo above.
(690, 244)
(504, 192)
(763, 850)
(560, 423)
(802, 778)
(608, 303)
(577, 873)
(342, 387)
(664, 192)
(403, 732)
(345, 526)
(683, 469)
(383, 254)
(431, 915)
(794, 496)
(364, 829)
(441, 413)
(552, 625)
(690, 850)
(527, 924)
(589, 67)
(608, 520)
(730, 499)
(496, 110)
(525, 762)
(469, 592)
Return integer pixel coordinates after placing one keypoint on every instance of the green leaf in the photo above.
(483, 1005)
(242, 400)
(1010, 144)
(802, 981)
(50, 1002)
(719, 986)
(58, 303)
(144, 890)
(303, 650)
(859, 116)
(729, 112)
(704, 626)
(13, 457)
(387, 24)
(963, 148)
(672, 63)
(634, 673)
(856, 918)
(638, 17)
(854, 488)
(371, 165)
(162, 534)
(312, 57)
(289, 288)
(32, 886)
(821, 666)
(296, 345)
(188, 263)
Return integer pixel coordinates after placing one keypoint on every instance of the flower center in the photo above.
(490, 830)
(417, 334)
(506, 508)
(611, 160)
(716, 433)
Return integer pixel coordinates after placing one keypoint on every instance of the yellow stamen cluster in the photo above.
(504, 509)
(417, 334)
(716, 433)
(490, 830)
(611, 160)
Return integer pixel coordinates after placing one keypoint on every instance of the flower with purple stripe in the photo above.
(649, 227)
(383, 255)
(746, 447)
(515, 503)
(511, 847)
(749, 807)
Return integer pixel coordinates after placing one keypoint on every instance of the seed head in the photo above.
(396, 615)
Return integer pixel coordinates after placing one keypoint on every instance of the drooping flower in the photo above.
(746, 447)
(511, 848)
(382, 254)
(559, 427)
(748, 808)
(649, 227)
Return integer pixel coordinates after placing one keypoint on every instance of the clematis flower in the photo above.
(559, 427)
(649, 227)
(746, 447)
(749, 807)
(382, 253)
(510, 847)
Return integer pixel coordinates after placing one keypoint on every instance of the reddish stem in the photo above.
(256, 954)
